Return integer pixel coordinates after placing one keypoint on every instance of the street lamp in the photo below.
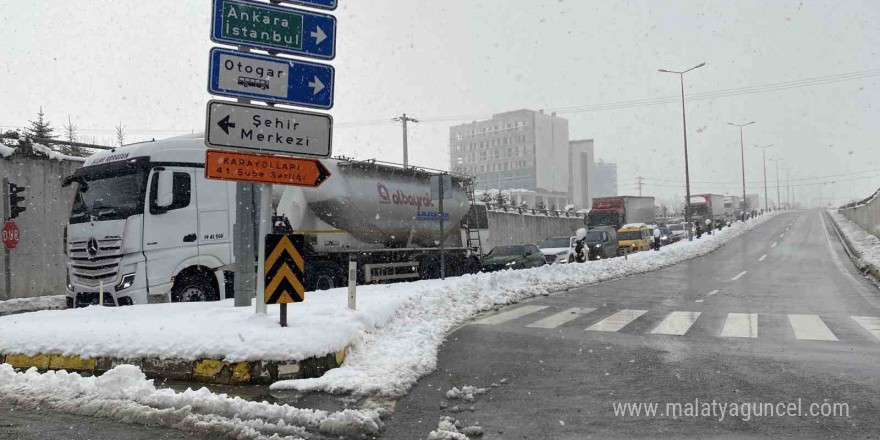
(778, 197)
(742, 153)
(764, 156)
(687, 175)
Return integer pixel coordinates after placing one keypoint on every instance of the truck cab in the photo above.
(147, 226)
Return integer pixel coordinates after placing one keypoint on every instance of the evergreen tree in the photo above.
(41, 128)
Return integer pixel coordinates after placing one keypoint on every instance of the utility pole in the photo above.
(687, 174)
(778, 198)
(404, 119)
(764, 158)
(742, 153)
(639, 183)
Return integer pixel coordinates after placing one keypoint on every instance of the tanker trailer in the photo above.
(380, 215)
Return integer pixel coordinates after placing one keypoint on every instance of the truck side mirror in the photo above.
(165, 189)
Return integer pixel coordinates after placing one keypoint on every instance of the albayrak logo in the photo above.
(401, 198)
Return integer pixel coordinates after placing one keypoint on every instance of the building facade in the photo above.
(603, 182)
(521, 149)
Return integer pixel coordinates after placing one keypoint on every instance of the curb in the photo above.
(211, 371)
(854, 255)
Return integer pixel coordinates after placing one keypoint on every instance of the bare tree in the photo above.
(120, 134)
(70, 132)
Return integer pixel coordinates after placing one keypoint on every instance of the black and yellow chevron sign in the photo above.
(285, 269)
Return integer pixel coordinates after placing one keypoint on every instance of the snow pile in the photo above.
(866, 244)
(22, 305)
(390, 360)
(467, 393)
(52, 154)
(6, 151)
(124, 394)
(448, 429)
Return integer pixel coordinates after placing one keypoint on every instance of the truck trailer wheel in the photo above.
(327, 276)
(193, 287)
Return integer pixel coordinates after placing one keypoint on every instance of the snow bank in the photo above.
(21, 305)
(6, 151)
(52, 154)
(124, 394)
(865, 243)
(390, 360)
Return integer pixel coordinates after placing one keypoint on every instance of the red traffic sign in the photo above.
(11, 235)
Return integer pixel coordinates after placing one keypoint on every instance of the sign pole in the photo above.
(7, 261)
(442, 253)
(243, 241)
(283, 314)
(352, 282)
(265, 220)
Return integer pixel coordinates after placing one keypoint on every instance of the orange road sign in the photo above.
(261, 168)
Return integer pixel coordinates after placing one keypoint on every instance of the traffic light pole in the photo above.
(7, 260)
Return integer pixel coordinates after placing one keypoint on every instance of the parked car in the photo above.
(517, 256)
(633, 237)
(558, 249)
(602, 243)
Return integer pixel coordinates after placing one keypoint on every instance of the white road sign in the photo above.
(268, 129)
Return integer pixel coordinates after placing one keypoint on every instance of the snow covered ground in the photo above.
(22, 305)
(390, 359)
(125, 395)
(866, 244)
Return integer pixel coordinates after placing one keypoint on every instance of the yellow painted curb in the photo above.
(40, 361)
(207, 368)
(59, 362)
(241, 373)
(340, 356)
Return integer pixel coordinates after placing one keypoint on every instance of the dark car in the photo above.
(602, 243)
(517, 256)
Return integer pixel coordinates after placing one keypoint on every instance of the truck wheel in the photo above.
(193, 287)
(327, 276)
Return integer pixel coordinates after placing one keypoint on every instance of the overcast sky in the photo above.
(144, 64)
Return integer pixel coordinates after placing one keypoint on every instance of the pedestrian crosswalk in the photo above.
(679, 323)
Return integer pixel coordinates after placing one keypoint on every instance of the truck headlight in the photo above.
(127, 281)
(69, 284)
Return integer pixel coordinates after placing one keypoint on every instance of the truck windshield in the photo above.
(556, 242)
(603, 219)
(109, 196)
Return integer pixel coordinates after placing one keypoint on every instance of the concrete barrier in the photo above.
(865, 213)
(512, 227)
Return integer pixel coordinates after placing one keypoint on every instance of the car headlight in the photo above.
(127, 281)
(512, 263)
(664, 238)
(598, 246)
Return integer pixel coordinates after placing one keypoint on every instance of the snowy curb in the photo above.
(24, 305)
(213, 371)
(862, 262)
(390, 359)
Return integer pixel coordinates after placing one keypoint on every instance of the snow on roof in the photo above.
(633, 225)
(42, 149)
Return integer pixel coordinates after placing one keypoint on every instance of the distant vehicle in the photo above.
(602, 243)
(618, 211)
(732, 206)
(633, 237)
(558, 249)
(707, 206)
(516, 256)
(678, 231)
(666, 236)
(674, 221)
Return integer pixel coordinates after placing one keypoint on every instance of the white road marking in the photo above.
(740, 274)
(677, 323)
(740, 325)
(617, 321)
(870, 324)
(774, 244)
(712, 292)
(698, 300)
(783, 235)
(510, 315)
(762, 257)
(810, 327)
(560, 318)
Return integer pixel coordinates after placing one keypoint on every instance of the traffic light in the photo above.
(15, 199)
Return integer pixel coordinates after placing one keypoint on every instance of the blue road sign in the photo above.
(321, 4)
(274, 28)
(268, 78)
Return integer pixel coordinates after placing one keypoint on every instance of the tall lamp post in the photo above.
(764, 157)
(687, 175)
(778, 197)
(742, 153)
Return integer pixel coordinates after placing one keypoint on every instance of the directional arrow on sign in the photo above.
(316, 85)
(225, 124)
(318, 35)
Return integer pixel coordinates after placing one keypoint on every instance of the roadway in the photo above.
(778, 315)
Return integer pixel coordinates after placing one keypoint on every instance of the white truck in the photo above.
(147, 226)
(707, 206)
